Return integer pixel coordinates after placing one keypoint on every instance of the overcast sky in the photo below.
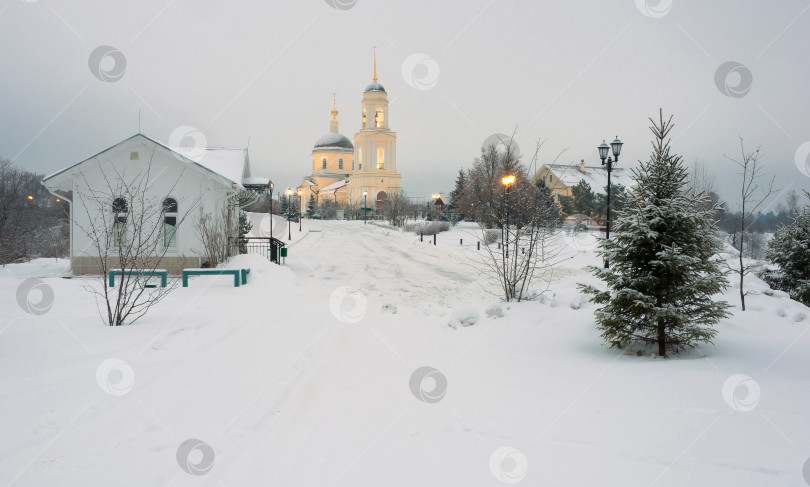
(456, 72)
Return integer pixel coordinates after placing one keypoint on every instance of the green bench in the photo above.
(139, 272)
(236, 273)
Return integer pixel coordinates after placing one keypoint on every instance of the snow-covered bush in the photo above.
(491, 236)
(427, 228)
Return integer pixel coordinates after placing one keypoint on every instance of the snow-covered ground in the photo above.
(314, 374)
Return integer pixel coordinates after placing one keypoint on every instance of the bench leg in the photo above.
(185, 280)
(111, 280)
(163, 279)
(236, 280)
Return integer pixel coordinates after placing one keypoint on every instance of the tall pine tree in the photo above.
(663, 267)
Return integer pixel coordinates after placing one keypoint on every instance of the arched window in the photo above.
(324, 163)
(380, 158)
(379, 118)
(120, 210)
(170, 223)
(364, 118)
(360, 157)
(340, 163)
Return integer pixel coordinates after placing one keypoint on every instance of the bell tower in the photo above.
(375, 147)
(375, 143)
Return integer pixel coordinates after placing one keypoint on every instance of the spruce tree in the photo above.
(663, 267)
(244, 228)
(458, 191)
(311, 206)
(789, 249)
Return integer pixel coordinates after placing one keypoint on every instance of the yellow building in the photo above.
(365, 171)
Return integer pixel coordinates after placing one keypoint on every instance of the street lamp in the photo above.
(616, 147)
(365, 206)
(300, 208)
(271, 210)
(289, 212)
(507, 181)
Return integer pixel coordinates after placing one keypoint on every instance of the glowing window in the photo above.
(364, 118)
(380, 158)
(379, 118)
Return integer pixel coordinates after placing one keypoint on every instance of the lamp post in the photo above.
(435, 197)
(289, 213)
(616, 147)
(300, 208)
(507, 181)
(365, 206)
(271, 210)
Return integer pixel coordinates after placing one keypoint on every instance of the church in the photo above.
(363, 173)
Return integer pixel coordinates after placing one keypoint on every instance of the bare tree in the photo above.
(213, 234)
(130, 238)
(753, 194)
(702, 187)
(526, 217)
(395, 207)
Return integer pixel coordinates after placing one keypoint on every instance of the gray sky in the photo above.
(572, 73)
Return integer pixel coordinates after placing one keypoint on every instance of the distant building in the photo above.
(560, 178)
(359, 172)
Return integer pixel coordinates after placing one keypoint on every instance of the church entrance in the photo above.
(381, 197)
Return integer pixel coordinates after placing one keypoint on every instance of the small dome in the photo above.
(337, 141)
(375, 87)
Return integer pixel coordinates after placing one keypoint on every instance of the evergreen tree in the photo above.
(663, 271)
(244, 227)
(546, 206)
(581, 201)
(618, 198)
(312, 207)
(285, 208)
(458, 191)
(789, 249)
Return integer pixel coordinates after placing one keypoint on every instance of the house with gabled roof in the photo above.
(175, 181)
(560, 178)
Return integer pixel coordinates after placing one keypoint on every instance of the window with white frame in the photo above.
(170, 223)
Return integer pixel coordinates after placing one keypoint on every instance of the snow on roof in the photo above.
(255, 181)
(335, 185)
(228, 163)
(595, 176)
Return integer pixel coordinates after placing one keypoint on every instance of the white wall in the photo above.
(169, 177)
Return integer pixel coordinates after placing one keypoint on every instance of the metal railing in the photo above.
(269, 247)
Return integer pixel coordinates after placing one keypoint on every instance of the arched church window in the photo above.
(360, 157)
(379, 118)
(120, 210)
(380, 158)
(340, 163)
(170, 223)
(324, 163)
(364, 118)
